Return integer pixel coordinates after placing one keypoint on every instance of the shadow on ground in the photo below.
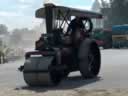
(66, 84)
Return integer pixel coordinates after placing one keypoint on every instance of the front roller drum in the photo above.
(38, 72)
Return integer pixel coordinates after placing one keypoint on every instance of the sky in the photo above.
(21, 13)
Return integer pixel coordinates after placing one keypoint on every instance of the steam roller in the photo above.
(49, 68)
(57, 54)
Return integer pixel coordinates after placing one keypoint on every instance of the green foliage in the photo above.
(119, 13)
(4, 50)
(3, 29)
(115, 13)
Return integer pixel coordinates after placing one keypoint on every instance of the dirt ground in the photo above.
(73, 92)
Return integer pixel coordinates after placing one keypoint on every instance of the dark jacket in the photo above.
(74, 25)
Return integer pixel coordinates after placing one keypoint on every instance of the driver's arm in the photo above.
(69, 29)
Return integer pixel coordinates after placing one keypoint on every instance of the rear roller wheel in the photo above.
(89, 59)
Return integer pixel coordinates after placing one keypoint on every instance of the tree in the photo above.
(115, 13)
(20, 37)
(104, 4)
(16, 37)
(119, 13)
(3, 29)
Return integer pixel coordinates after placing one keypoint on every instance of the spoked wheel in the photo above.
(89, 59)
(88, 24)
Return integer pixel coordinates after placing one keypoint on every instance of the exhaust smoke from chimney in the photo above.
(51, 1)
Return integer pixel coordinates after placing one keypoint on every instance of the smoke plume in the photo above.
(51, 1)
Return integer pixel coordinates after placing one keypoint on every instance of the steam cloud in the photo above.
(51, 1)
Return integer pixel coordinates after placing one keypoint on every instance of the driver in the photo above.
(75, 24)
